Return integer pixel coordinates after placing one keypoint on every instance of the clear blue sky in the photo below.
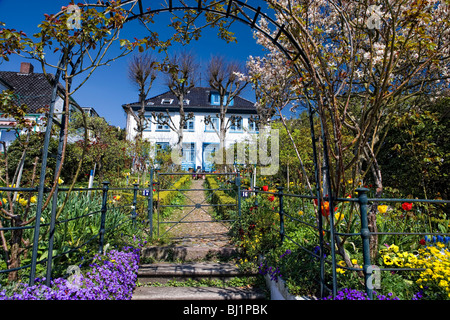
(109, 87)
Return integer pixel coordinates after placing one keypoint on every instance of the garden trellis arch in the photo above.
(229, 9)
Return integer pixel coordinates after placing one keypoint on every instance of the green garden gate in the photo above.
(169, 185)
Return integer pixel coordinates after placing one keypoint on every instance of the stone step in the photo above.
(197, 293)
(187, 253)
(163, 272)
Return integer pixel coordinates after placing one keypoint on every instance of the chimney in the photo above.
(26, 68)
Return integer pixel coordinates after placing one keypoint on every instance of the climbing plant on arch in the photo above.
(83, 35)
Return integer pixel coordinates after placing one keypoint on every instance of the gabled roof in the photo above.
(32, 89)
(199, 101)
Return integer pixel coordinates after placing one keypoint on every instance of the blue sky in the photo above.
(109, 88)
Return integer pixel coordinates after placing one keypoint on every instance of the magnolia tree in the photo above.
(359, 63)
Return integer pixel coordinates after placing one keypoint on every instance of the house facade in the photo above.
(34, 90)
(200, 139)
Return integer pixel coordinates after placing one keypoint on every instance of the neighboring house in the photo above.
(34, 90)
(200, 140)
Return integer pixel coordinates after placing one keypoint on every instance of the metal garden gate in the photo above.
(168, 186)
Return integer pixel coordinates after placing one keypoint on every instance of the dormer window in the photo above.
(215, 99)
(166, 101)
(186, 101)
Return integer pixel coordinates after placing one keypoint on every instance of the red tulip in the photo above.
(407, 206)
(271, 198)
(265, 188)
(422, 242)
(325, 209)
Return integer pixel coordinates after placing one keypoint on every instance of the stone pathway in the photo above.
(197, 234)
(192, 255)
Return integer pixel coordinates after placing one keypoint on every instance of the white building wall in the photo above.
(199, 136)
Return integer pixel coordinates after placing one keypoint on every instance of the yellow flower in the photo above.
(300, 212)
(23, 202)
(354, 261)
(398, 262)
(4, 200)
(387, 260)
(60, 181)
(394, 248)
(382, 208)
(339, 216)
(33, 199)
(350, 181)
(340, 270)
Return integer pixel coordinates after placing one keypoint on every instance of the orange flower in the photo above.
(325, 209)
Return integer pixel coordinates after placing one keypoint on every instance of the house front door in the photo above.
(188, 161)
(208, 156)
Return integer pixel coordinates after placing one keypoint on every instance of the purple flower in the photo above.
(352, 294)
(112, 277)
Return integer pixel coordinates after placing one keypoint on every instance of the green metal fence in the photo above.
(108, 223)
(364, 234)
(328, 282)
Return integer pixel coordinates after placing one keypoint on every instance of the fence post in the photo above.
(150, 203)
(103, 216)
(133, 212)
(51, 236)
(280, 196)
(256, 189)
(238, 184)
(365, 235)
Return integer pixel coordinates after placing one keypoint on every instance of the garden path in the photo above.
(198, 234)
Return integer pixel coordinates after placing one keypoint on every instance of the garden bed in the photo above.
(112, 276)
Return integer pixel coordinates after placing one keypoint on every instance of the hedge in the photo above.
(165, 197)
(220, 198)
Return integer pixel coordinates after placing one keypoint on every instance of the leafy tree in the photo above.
(106, 146)
(415, 157)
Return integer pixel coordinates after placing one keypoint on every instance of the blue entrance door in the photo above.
(208, 156)
(188, 160)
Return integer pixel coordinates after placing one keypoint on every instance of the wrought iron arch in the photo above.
(236, 10)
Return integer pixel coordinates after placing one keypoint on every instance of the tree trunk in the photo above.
(371, 217)
(16, 238)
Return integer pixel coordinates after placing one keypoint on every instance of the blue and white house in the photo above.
(200, 140)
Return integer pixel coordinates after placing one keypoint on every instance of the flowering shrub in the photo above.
(112, 277)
